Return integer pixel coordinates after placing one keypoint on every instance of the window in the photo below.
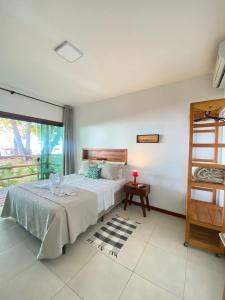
(30, 149)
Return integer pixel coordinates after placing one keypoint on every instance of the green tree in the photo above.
(22, 134)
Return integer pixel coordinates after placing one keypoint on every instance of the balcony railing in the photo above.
(17, 166)
(25, 168)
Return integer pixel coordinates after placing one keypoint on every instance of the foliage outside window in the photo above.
(28, 151)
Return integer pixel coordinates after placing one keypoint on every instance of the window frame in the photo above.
(18, 117)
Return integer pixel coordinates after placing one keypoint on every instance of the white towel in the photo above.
(56, 179)
(56, 186)
(61, 191)
(64, 190)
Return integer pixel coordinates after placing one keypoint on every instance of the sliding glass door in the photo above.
(29, 151)
(50, 159)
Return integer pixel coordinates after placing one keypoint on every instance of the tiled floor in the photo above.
(153, 264)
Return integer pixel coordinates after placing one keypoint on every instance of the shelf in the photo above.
(204, 131)
(204, 220)
(208, 165)
(206, 239)
(203, 160)
(209, 185)
(208, 145)
(205, 214)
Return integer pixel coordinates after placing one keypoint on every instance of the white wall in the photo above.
(115, 123)
(25, 106)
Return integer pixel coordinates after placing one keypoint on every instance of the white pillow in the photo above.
(84, 167)
(111, 171)
(121, 168)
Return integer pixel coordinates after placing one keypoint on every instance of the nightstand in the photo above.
(130, 190)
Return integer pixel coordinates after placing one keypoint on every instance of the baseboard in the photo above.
(164, 211)
(168, 212)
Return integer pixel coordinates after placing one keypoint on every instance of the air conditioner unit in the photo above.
(219, 73)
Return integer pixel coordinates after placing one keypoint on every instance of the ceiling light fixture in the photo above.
(68, 51)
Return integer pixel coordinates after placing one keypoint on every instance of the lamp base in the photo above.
(135, 181)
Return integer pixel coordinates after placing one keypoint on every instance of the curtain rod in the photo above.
(27, 96)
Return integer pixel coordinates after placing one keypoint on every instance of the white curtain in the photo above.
(69, 148)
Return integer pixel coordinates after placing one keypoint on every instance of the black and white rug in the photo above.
(112, 236)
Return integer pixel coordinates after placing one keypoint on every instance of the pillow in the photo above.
(84, 167)
(93, 172)
(121, 167)
(111, 171)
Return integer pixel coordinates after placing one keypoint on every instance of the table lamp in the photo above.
(135, 175)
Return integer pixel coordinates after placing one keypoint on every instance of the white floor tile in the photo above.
(207, 261)
(101, 278)
(202, 284)
(11, 237)
(66, 294)
(141, 289)
(6, 224)
(66, 266)
(33, 244)
(163, 269)
(131, 252)
(35, 283)
(134, 212)
(170, 238)
(154, 251)
(171, 221)
(14, 260)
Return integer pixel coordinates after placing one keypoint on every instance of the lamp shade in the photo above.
(135, 173)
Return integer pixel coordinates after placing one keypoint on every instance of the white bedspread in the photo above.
(57, 220)
(104, 188)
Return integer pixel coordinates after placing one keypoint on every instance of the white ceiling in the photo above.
(128, 45)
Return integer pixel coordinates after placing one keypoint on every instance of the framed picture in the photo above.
(148, 138)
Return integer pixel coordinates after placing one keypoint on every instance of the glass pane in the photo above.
(18, 152)
(51, 158)
(28, 151)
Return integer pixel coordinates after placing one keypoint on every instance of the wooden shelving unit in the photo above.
(204, 220)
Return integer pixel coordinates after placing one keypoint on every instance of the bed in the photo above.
(57, 220)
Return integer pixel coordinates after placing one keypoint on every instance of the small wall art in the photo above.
(148, 138)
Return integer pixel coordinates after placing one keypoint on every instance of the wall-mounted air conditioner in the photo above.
(219, 73)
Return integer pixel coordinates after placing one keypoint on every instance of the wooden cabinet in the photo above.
(205, 220)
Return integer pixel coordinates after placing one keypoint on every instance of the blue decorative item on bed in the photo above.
(93, 172)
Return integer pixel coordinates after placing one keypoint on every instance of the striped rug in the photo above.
(112, 236)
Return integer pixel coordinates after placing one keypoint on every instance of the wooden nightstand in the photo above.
(130, 189)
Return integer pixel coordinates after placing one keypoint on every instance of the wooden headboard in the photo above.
(116, 155)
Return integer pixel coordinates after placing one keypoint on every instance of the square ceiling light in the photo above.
(68, 51)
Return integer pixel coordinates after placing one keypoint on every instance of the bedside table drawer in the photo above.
(135, 191)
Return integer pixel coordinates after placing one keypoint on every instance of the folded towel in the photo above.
(56, 179)
(209, 175)
(56, 186)
(53, 181)
(64, 190)
(43, 185)
(50, 193)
